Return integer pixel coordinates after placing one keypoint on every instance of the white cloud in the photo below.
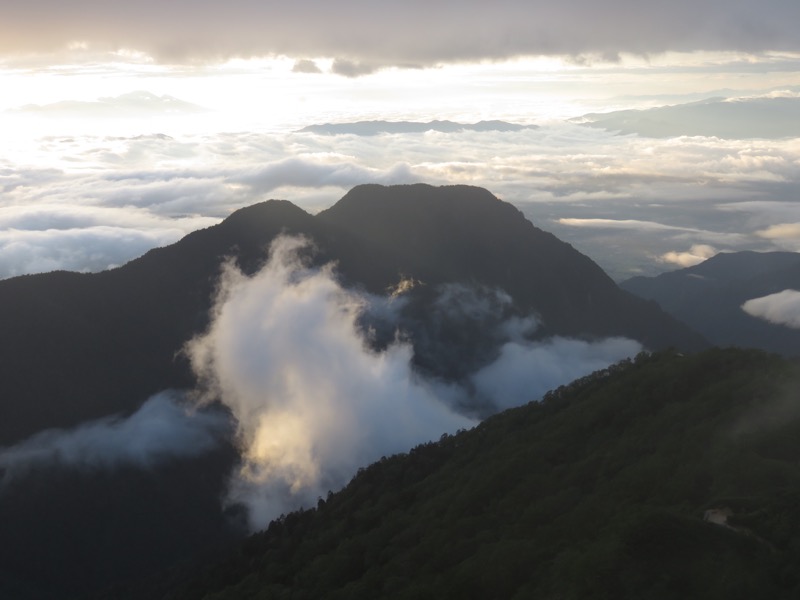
(162, 429)
(694, 256)
(287, 353)
(312, 402)
(782, 308)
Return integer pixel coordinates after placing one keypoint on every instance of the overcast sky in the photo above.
(390, 33)
(128, 125)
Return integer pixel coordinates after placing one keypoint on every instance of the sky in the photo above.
(128, 125)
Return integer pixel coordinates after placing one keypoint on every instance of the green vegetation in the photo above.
(599, 491)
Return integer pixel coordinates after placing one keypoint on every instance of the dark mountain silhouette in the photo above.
(709, 297)
(718, 117)
(378, 127)
(670, 476)
(79, 346)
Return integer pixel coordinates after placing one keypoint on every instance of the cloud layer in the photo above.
(367, 34)
(163, 428)
(782, 308)
(88, 202)
(288, 353)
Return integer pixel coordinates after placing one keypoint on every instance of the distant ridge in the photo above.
(736, 118)
(138, 103)
(709, 297)
(367, 128)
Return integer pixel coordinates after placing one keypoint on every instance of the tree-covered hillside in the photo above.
(598, 491)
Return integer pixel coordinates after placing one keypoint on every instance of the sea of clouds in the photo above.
(635, 205)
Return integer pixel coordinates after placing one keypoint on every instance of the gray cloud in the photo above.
(313, 402)
(408, 33)
(162, 429)
(782, 308)
(350, 68)
(306, 66)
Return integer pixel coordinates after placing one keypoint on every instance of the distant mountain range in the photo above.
(709, 297)
(139, 103)
(718, 117)
(377, 127)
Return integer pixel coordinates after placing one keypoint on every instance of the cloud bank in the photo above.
(363, 34)
(93, 201)
(313, 399)
(164, 428)
(782, 308)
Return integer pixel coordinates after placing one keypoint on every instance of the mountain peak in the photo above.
(266, 210)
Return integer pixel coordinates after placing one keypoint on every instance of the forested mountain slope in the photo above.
(598, 491)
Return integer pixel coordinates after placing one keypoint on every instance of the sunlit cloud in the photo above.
(781, 231)
(621, 224)
(694, 256)
(288, 354)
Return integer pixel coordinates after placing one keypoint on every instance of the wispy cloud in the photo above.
(164, 428)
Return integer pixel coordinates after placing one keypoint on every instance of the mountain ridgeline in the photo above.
(80, 346)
